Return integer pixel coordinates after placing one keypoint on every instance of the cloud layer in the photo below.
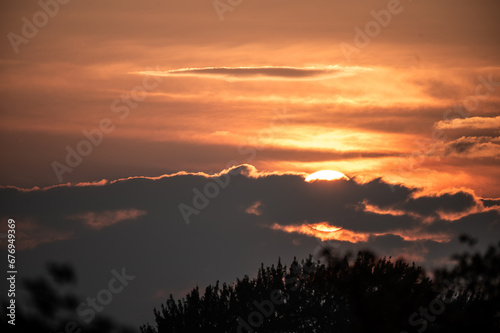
(245, 217)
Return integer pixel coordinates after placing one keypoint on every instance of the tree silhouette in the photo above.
(55, 311)
(475, 281)
(348, 293)
(345, 295)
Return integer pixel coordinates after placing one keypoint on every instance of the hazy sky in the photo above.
(386, 92)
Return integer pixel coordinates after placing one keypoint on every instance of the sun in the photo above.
(326, 175)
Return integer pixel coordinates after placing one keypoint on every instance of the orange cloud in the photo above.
(324, 231)
(104, 219)
(30, 234)
(254, 208)
(472, 122)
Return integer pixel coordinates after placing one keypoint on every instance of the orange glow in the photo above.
(326, 175)
(377, 210)
(323, 226)
(325, 231)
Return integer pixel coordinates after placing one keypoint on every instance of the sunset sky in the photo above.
(113, 112)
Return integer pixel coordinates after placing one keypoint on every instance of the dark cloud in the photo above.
(142, 229)
(491, 202)
(432, 205)
(460, 146)
(260, 72)
(473, 147)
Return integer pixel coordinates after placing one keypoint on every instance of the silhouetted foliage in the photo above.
(62, 273)
(52, 310)
(347, 294)
(476, 287)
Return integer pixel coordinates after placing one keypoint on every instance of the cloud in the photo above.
(491, 202)
(99, 220)
(262, 73)
(472, 122)
(474, 147)
(473, 137)
(32, 232)
(254, 208)
(254, 217)
(271, 198)
(125, 157)
(310, 230)
(472, 126)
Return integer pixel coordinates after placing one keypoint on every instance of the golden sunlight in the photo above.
(325, 227)
(324, 231)
(326, 175)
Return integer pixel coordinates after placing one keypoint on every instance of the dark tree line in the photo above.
(347, 294)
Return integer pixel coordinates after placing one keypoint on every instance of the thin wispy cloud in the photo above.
(262, 73)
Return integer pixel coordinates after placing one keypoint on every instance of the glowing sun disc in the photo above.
(326, 175)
